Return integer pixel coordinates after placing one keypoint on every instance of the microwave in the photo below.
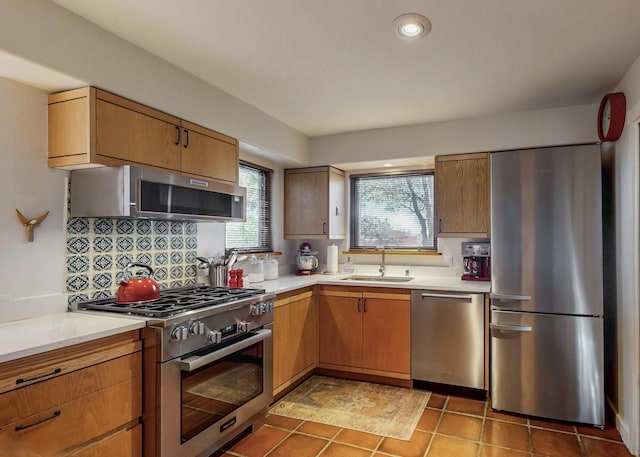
(133, 192)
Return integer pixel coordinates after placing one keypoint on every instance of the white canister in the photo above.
(270, 268)
(256, 270)
(332, 259)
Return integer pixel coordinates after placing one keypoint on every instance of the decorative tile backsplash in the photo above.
(98, 250)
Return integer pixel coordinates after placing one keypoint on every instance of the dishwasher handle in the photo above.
(446, 297)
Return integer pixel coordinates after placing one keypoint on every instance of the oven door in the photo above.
(206, 398)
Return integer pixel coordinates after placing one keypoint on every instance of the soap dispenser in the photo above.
(349, 267)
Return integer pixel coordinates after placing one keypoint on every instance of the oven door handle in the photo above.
(193, 363)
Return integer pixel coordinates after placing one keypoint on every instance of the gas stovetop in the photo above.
(174, 301)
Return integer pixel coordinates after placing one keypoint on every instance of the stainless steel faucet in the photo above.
(382, 267)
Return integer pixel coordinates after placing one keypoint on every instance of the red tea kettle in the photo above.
(139, 288)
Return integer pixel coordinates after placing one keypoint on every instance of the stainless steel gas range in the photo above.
(208, 364)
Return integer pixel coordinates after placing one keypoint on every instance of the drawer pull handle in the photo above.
(23, 380)
(53, 416)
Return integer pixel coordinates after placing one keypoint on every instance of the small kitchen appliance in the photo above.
(476, 261)
(208, 365)
(306, 260)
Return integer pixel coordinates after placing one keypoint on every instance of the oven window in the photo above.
(213, 391)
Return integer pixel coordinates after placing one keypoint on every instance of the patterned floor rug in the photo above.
(366, 407)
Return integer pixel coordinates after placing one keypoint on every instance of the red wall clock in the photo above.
(611, 115)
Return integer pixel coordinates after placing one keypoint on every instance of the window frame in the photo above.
(354, 220)
(265, 235)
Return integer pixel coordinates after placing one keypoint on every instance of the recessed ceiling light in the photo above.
(412, 25)
(387, 164)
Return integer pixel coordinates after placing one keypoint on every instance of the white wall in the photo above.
(569, 125)
(46, 34)
(627, 177)
(31, 274)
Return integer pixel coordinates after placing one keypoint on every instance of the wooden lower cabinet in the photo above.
(365, 332)
(295, 340)
(80, 401)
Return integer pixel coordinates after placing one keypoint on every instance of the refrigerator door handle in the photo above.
(511, 328)
(507, 297)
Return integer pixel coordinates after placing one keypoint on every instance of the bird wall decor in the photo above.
(30, 224)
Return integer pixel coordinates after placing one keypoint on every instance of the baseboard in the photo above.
(628, 440)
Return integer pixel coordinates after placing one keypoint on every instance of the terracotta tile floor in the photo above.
(449, 427)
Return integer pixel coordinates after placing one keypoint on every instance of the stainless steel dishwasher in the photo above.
(447, 338)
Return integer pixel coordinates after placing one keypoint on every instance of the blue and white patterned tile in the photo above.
(102, 281)
(160, 274)
(78, 226)
(102, 262)
(160, 258)
(122, 260)
(175, 284)
(190, 281)
(161, 243)
(190, 257)
(176, 257)
(191, 242)
(77, 264)
(103, 226)
(176, 228)
(177, 272)
(191, 228)
(177, 242)
(124, 243)
(143, 243)
(124, 227)
(77, 283)
(143, 227)
(100, 294)
(190, 271)
(102, 244)
(77, 244)
(161, 227)
(144, 258)
(76, 298)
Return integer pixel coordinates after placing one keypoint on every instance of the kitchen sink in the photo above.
(377, 278)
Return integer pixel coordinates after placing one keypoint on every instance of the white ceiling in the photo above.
(332, 66)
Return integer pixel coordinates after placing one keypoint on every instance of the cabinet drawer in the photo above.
(50, 432)
(35, 398)
(124, 443)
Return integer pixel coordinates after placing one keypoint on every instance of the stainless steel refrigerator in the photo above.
(546, 283)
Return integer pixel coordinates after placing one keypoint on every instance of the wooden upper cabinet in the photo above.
(208, 153)
(90, 126)
(463, 195)
(314, 201)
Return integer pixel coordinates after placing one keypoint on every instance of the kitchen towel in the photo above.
(332, 258)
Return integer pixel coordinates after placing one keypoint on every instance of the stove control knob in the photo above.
(243, 327)
(179, 333)
(214, 337)
(268, 307)
(196, 328)
(257, 310)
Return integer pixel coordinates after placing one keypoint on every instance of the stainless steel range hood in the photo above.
(132, 192)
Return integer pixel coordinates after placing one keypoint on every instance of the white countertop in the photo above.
(53, 331)
(448, 283)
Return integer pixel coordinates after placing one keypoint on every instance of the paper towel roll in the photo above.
(332, 258)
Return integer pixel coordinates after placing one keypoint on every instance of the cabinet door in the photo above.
(282, 345)
(462, 193)
(386, 336)
(125, 134)
(340, 330)
(337, 215)
(304, 316)
(125, 443)
(209, 154)
(306, 196)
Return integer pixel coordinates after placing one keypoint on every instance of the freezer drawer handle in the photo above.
(448, 298)
(509, 297)
(511, 328)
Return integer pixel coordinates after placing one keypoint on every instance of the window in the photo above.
(393, 210)
(254, 235)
